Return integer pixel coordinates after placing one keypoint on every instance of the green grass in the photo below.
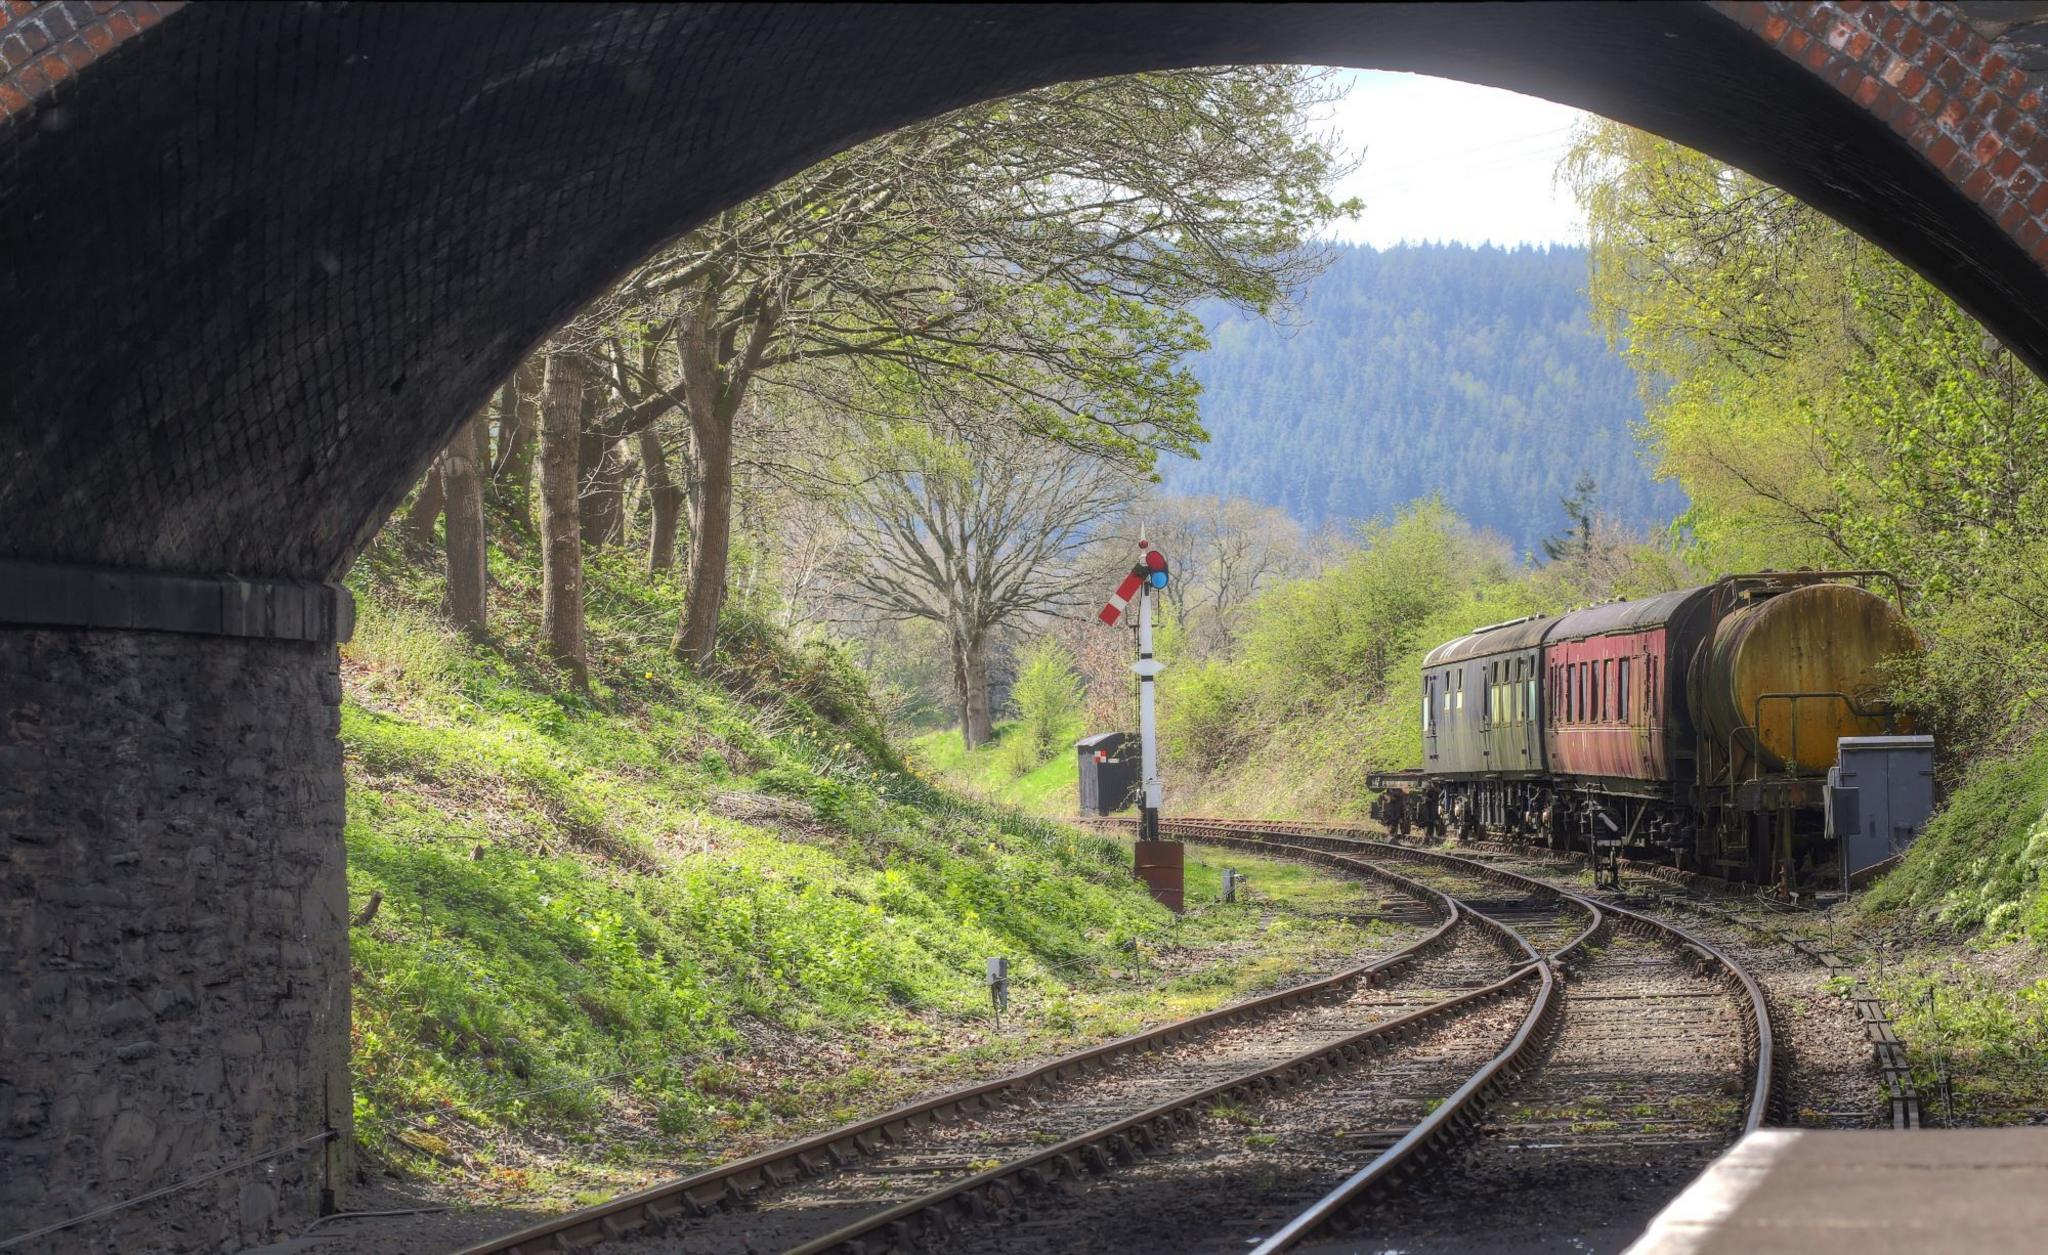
(1988, 1036)
(706, 911)
(1051, 787)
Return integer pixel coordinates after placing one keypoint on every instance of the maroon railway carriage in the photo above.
(1694, 728)
(1617, 721)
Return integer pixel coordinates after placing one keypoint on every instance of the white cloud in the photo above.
(1454, 161)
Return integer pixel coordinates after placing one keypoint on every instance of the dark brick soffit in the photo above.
(46, 595)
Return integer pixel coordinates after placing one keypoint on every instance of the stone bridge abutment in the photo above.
(258, 261)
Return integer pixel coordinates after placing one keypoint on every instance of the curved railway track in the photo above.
(1424, 1039)
(1367, 1187)
(676, 1204)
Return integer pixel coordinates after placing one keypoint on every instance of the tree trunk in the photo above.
(480, 431)
(462, 485)
(667, 498)
(561, 425)
(979, 716)
(426, 507)
(716, 369)
(604, 488)
(710, 539)
(512, 473)
(970, 685)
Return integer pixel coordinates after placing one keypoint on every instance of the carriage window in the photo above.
(1578, 692)
(1621, 694)
(1595, 711)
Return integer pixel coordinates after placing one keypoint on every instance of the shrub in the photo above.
(1047, 696)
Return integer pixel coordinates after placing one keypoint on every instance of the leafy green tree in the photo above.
(1823, 405)
(1032, 257)
(1047, 696)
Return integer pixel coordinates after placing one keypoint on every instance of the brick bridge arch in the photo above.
(257, 261)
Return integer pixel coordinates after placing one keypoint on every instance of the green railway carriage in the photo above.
(1482, 721)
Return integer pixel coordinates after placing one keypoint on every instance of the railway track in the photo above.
(693, 1204)
(1621, 1098)
(1362, 1078)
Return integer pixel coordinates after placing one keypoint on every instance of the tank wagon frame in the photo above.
(1694, 728)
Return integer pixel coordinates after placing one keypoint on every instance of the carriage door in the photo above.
(1429, 716)
(1635, 713)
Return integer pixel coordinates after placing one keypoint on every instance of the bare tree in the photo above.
(425, 511)
(1224, 550)
(561, 427)
(518, 429)
(462, 486)
(987, 527)
(665, 500)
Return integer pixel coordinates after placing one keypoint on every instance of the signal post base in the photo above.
(1162, 866)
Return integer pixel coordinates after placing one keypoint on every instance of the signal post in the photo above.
(1160, 864)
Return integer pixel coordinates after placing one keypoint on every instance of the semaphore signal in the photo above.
(1147, 575)
(1150, 569)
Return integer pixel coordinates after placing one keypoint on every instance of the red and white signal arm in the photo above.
(1114, 608)
(1150, 563)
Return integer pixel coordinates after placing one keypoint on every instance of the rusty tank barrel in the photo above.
(1785, 675)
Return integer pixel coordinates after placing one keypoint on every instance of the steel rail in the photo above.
(1344, 1201)
(1457, 1115)
(1755, 1012)
(657, 1206)
(905, 1225)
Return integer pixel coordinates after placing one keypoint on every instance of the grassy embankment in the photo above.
(990, 772)
(656, 925)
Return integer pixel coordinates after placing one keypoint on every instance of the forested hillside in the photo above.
(1471, 371)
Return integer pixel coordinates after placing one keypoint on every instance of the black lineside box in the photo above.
(1109, 771)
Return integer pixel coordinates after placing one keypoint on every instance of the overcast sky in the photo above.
(1454, 161)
